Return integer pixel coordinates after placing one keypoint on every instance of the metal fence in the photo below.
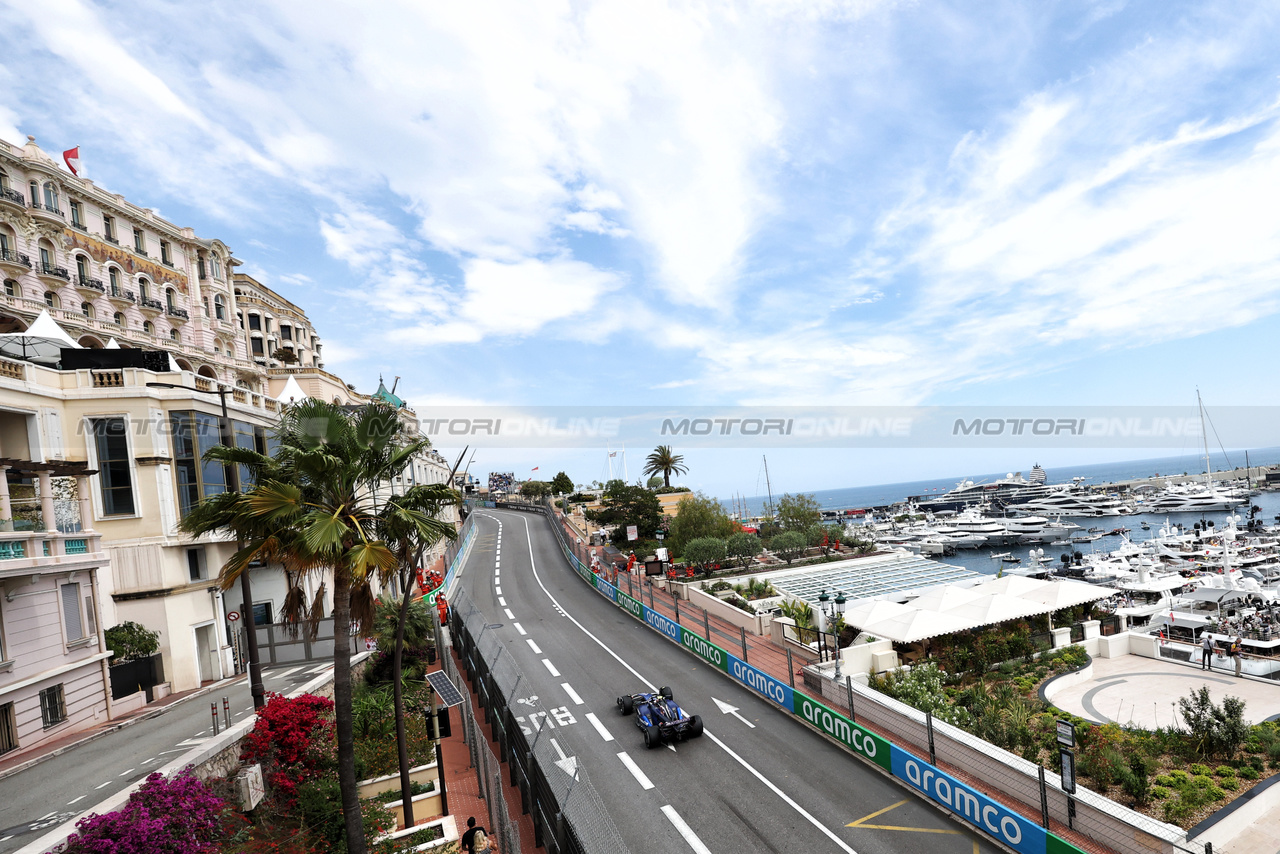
(568, 816)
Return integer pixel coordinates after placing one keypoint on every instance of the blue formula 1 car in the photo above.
(659, 718)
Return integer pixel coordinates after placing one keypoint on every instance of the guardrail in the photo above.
(985, 814)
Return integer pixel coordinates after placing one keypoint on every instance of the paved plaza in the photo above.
(1145, 691)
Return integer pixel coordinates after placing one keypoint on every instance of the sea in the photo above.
(989, 561)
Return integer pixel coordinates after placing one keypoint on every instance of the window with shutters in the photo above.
(53, 706)
(71, 612)
(8, 728)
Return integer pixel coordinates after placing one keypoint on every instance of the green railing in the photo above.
(76, 547)
(11, 549)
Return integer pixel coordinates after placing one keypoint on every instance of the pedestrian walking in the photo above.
(1237, 652)
(475, 839)
(1206, 658)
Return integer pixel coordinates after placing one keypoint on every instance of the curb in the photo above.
(127, 722)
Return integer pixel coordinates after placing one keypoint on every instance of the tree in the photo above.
(828, 537)
(1213, 728)
(743, 547)
(562, 484)
(628, 505)
(698, 515)
(662, 461)
(788, 545)
(653, 482)
(799, 611)
(313, 509)
(704, 552)
(535, 489)
(129, 641)
(798, 512)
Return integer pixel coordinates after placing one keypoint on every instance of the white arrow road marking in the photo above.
(685, 830)
(635, 770)
(568, 764)
(595, 722)
(726, 709)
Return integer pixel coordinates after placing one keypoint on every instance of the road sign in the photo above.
(233, 616)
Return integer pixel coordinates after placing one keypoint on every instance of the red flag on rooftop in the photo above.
(72, 158)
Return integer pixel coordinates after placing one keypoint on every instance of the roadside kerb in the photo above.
(196, 756)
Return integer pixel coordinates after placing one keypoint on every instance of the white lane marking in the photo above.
(507, 611)
(785, 797)
(47, 815)
(148, 761)
(685, 830)
(126, 773)
(497, 591)
(573, 695)
(502, 601)
(285, 673)
(81, 798)
(103, 785)
(635, 770)
(533, 646)
(551, 667)
(595, 722)
(520, 628)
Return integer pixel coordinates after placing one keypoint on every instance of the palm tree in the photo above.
(411, 524)
(314, 508)
(665, 463)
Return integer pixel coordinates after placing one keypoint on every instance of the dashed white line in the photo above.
(502, 601)
(507, 611)
(573, 695)
(551, 667)
(47, 815)
(533, 646)
(595, 722)
(520, 628)
(635, 770)
(126, 773)
(685, 830)
(497, 591)
(81, 798)
(103, 785)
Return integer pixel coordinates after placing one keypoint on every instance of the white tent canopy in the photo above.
(42, 341)
(113, 344)
(292, 392)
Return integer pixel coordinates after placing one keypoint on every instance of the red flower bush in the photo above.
(293, 739)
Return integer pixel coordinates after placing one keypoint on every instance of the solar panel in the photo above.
(447, 694)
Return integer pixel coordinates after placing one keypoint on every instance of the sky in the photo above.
(865, 202)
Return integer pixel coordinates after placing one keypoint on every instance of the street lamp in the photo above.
(246, 592)
(833, 611)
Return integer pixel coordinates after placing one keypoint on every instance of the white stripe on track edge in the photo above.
(641, 778)
(573, 695)
(685, 830)
(595, 722)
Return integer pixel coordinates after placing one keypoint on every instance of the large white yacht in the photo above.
(1073, 502)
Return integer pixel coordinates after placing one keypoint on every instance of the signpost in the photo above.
(233, 616)
(632, 532)
(1067, 756)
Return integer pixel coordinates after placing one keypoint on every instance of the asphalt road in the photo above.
(67, 786)
(756, 781)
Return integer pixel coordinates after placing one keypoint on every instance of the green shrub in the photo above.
(1229, 783)
(130, 641)
(1249, 773)
(1135, 779)
(1179, 776)
(1165, 780)
(1224, 771)
(1198, 770)
(1177, 810)
(1201, 780)
(1214, 793)
(1158, 793)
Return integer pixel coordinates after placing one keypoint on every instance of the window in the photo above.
(193, 434)
(11, 288)
(255, 439)
(112, 442)
(4, 180)
(71, 611)
(51, 299)
(148, 327)
(262, 613)
(46, 259)
(200, 265)
(35, 194)
(113, 276)
(144, 289)
(240, 318)
(87, 310)
(50, 196)
(109, 228)
(77, 214)
(8, 728)
(173, 335)
(5, 243)
(266, 324)
(165, 257)
(255, 322)
(53, 706)
(196, 565)
(139, 242)
(118, 318)
(256, 344)
(216, 266)
(286, 333)
(82, 268)
(219, 308)
(170, 299)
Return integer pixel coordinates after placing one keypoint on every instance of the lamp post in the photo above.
(246, 591)
(833, 611)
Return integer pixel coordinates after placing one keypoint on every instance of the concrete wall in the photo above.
(753, 623)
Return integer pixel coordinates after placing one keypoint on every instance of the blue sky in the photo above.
(794, 202)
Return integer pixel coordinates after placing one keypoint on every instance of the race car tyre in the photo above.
(695, 726)
(666, 691)
(652, 737)
(626, 705)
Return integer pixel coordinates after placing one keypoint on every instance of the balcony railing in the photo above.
(58, 272)
(111, 238)
(148, 302)
(180, 313)
(91, 284)
(138, 250)
(10, 257)
(122, 295)
(48, 209)
(13, 196)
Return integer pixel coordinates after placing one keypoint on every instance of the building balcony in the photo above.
(52, 274)
(111, 238)
(142, 252)
(90, 285)
(177, 315)
(119, 295)
(48, 214)
(18, 262)
(150, 306)
(13, 199)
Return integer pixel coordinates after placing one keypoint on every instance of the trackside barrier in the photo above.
(967, 803)
(454, 556)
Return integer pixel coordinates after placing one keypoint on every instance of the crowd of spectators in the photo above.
(501, 481)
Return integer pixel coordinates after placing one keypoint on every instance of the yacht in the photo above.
(1074, 502)
(1013, 488)
(1184, 499)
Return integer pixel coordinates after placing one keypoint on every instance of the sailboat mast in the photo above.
(1208, 469)
(768, 485)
